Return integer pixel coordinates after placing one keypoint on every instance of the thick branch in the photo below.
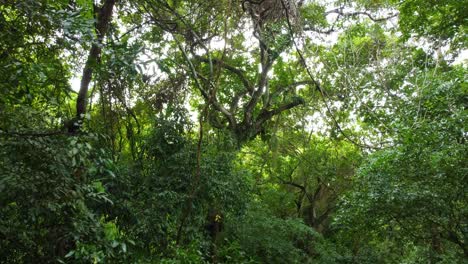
(291, 182)
(239, 73)
(267, 114)
(211, 99)
(267, 62)
(235, 101)
(340, 12)
(300, 187)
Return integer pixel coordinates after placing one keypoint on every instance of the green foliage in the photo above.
(190, 255)
(440, 20)
(415, 191)
(167, 181)
(313, 15)
(271, 239)
(166, 165)
(51, 184)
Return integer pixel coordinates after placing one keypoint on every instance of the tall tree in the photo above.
(103, 19)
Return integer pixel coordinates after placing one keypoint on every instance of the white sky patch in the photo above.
(75, 83)
(217, 44)
(193, 115)
(300, 87)
(316, 123)
(462, 58)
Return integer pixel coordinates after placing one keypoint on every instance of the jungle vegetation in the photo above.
(233, 131)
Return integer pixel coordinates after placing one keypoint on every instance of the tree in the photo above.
(416, 189)
(232, 131)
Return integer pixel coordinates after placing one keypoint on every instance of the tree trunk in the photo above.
(102, 25)
(436, 245)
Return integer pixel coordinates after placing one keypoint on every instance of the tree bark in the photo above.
(102, 25)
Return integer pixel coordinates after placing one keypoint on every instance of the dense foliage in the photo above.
(228, 131)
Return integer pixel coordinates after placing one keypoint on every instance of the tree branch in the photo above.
(30, 134)
(210, 99)
(235, 101)
(239, 73)
(318, 86)
(340, 12)
(267, 62)
(267, 114)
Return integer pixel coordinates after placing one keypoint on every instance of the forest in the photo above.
(234, 131)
